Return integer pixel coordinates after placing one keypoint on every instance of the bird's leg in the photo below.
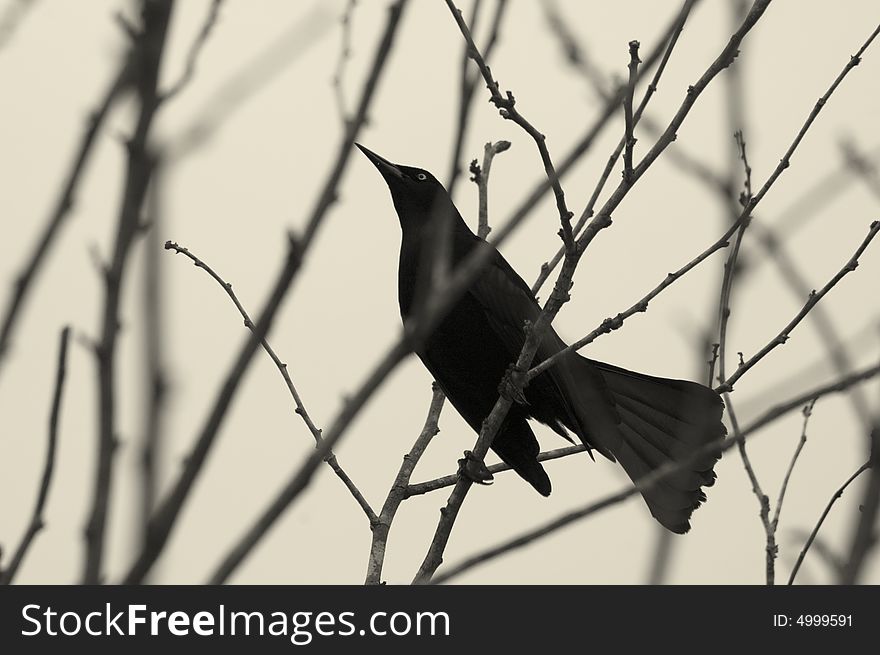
(474, 469)
(512, 384)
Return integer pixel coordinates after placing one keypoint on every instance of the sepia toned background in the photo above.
(264, 80)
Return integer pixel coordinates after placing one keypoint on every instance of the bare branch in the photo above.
(37, 522)
(815, 297)
(301, 478)
(165, 517)
(328, 195)
(285, 374)
(629, 139)
(344, 56)
(468, 86)
(194, 51)
(449, 480)
(398, 492)
(837, 494)
(864, 535)
(665, 46)
(244, 83)
(506, 105)
(27, 276)
(148, 50)
(807, 412)
(482, 180)
(155, 377)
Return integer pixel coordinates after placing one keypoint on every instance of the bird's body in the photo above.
(638, 420)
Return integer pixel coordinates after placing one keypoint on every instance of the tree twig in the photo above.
(665, 46)
(165, 517)
(864, 535)
(285, 374)
(834, 498)
(467, 87)
(28, 274)
(246, 82)
(807, 412)
(328, 195)
(506, 105)
(481, 177)
(155, 377)
(195, 50)
(629, 139)
(37, 522)
(815, 297)
(342, 60)
(398, 492)
(724, 310)
(448, 480)
(148, 51)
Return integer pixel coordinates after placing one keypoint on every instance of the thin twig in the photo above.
(195, 50)
(155, 378)
(303, 475)
(149, 48)
(482, 180)
(837, 494)
(659, 474)
(724, 310)
(246, 82)
(629, 139)
(28, 274)
(328, 195)
(815, 297)
(342, 60)
(506, 105)
(665, 46)
(807, 412)
(864, 533)
(448, 480)
(37, 522)
(165, 517)
(467, 87)
(398, 492)
(285, 374)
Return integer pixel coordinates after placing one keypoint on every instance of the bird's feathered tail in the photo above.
(660, 420)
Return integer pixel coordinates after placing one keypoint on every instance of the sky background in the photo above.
(232, 200)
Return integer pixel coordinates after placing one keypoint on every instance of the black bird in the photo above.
(638, 420)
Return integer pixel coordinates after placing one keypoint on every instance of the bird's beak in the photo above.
(388, 170)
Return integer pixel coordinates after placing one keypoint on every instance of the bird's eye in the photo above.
(422, 176)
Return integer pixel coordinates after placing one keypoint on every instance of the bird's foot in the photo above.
(474, 469)
(512, 385)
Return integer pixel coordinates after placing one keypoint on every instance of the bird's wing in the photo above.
(508, 302)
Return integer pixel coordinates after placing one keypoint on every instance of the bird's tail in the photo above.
(662, 421)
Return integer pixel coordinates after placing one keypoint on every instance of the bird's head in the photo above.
(415, 192)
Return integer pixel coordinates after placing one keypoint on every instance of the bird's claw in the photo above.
(512, 385)
(474, 469)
